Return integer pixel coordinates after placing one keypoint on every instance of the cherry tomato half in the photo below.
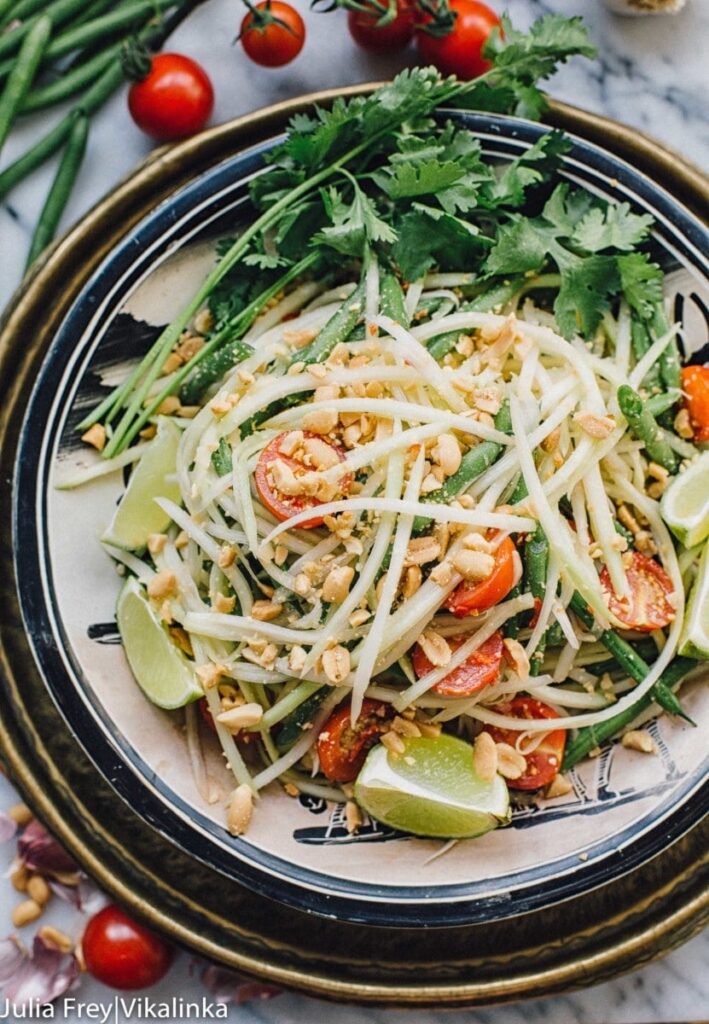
(544, 762)
(342, 748)
(695, 384)
(648, 606)
(122, 953)
(394, 36)
(476, 672)
(283, 506)
(468, 598)
(274, 36)
(460, 51)
(174, 100)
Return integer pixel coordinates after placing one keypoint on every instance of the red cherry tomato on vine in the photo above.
(394, 36)
(122, 953)
(544, 762)
(272, 34)
(480, 669)
(460, 51)
(281, 505)
(174, 100)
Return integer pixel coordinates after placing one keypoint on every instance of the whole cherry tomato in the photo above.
(648, 607)
(272, 33)
(470, 598)
(174, 100)
(122, 953)
(695, 384)
(282, 505)
(342, 747)
(460, 51)
(395, 35)
(544, 762)
(480, 669)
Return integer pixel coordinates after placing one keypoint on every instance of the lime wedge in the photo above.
(161, 670)
(694, 641)
(137, 515)
(431, 790)
(685, 503)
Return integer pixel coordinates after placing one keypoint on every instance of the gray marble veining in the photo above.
(651, 74)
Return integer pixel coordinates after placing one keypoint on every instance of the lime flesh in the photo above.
(137, 515)
(160, 669)
(431, 790)
(685, 503)
(694, 641)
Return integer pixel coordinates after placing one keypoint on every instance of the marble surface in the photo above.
(651, 74)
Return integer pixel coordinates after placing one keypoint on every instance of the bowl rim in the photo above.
(47, 272)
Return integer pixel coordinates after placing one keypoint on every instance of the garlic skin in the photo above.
(638, 8)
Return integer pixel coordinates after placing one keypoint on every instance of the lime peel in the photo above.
(163, 673)
(431, 790)
(685, 503)
(694, 640)
(137, 515)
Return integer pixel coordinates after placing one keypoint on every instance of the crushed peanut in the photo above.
(473, 565)
(640, 740)
(95, 436)
(353, 816)
(435, 647)
(510, 763)
(240, 809)
(518, 656)
(265, 611)
(337, 584)
(336, 664)
(320, 421)
(485, 757)
(162, 585)
(595, 426)
(242, 717)
(421, 551)
(393, 742)
(559, 786)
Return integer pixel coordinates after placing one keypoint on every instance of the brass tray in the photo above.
(589, 938)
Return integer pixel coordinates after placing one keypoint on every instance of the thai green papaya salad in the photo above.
(418, 504)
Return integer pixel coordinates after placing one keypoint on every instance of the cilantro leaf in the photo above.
(641, 282)
(565, 208)
(354, 226)
(519, 247)
(419, 179)
(585, 294)
(428, 236)
(616, 227)
(537, 164)
(264, 260)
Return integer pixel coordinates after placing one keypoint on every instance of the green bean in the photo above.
(6, 7)
(292, 728)
(23, 9)
(499, 295)
(536, 563)
(221, 458)
(640, 341)
(591, 736)
(627, 658)
(91, 101)
(22, 75)
(669, 361)
(473, 464)
(57, 12)
(644, 426)
(60, 190)
(213, 369)
(391, 300)
(99, 28)
(336, 330)
(623, 531)
(70, 82)
(657, 404)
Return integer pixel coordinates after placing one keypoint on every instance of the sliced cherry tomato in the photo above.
(272, 34)
(174, 100)
(393, 36)
(544, 762)
(342, 748)
(122, 953)
(459, 52)
(476, 672)
(468, 598)
(695, 384)
(283, 506)
(648, 606)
